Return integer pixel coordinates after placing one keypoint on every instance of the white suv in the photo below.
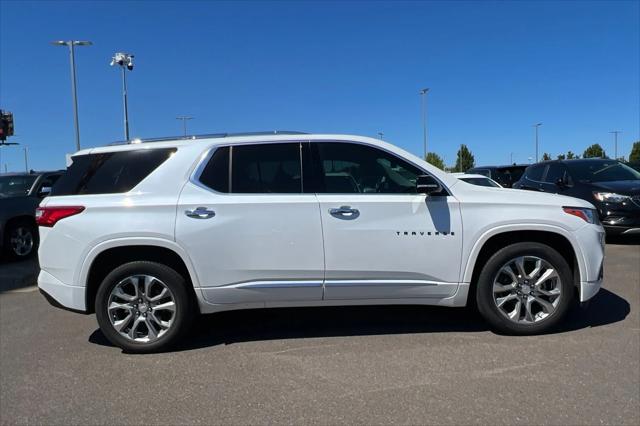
(148, 234)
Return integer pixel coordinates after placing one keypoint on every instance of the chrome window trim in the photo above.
(206, 156)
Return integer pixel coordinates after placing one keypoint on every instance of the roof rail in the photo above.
(208, 136)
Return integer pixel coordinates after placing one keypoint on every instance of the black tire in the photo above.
(18, 229)
(484, 290)
(184, 306)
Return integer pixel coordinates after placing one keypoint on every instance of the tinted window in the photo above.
(554, 173)
(535, 172)
(601, 171)
(109, 173)
(266, 168)
(354, 168)
(216, 173)
(481, 182)
(508, 175)
(16, 186)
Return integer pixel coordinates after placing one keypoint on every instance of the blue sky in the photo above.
(494, 69)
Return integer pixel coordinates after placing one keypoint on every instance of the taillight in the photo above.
(49, 216)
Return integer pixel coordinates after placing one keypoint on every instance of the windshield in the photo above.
(15, 186)
(601, 171)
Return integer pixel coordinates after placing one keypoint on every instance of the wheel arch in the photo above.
(493, 240)
(108, 255)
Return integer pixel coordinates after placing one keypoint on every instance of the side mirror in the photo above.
(426, 184)
(44, 191)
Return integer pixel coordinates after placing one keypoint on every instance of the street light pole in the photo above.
(26, 161)
(423, 97)
(536, 127)
(125, 106)
(380, 135)
(184, 119)
(72, 59)
(615, 142)
(124, 60)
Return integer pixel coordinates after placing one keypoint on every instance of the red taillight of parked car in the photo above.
(49, 216)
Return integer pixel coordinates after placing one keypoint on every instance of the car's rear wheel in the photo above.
(524, 288)
(21, 240)
(143, 307)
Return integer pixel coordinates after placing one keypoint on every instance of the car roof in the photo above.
(31, 173)
(508, 166)
(230, 139)
(575, 160)
(471, 175)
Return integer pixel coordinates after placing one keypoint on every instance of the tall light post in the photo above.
(536, 127)
(184, 119)
(423, 98)
(615, 142)
(380, 135)
(71, 44)
(125, 62)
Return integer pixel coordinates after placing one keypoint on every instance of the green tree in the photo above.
(546, 157)
(634, 157)
(594, 151)
(571, 156)
(465, 159)
(435, 160)
(561, 156)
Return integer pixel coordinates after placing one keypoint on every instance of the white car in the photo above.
(479, 180)
(149, 234)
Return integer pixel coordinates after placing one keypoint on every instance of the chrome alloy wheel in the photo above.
(141, 308)
(21, 241)
(527, 289)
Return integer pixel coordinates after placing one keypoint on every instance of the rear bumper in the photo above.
(61, 295)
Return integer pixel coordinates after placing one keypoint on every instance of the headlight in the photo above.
(611, 197)
(588, 215)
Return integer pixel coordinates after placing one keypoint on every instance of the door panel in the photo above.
(256, 248)
(256, 245)
(382, 240)
(399, 246)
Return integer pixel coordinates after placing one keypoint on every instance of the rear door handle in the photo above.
(200, 213)
(344, 212)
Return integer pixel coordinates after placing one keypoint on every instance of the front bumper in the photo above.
(61, 295)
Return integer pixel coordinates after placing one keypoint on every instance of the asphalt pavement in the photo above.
(365, 365)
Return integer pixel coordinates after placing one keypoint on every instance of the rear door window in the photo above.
(273, 168)
(266, 168)
(110, 172)
(534, 173)
(555, 172)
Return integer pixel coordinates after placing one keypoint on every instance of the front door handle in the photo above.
(344, 212)
(200, 213)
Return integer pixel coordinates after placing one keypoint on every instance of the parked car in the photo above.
(479, 180)
(148, 234)
(20, 194)
(613, 187)
(506, 176)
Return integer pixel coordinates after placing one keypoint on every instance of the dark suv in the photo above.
(20, 194)
(611, 186)
(504, 175)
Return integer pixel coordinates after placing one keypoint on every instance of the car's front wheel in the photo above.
(143, 307)
(524, 288)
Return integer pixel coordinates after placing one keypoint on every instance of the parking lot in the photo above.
(327, 365)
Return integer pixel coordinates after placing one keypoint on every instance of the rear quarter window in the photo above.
(109, 173)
